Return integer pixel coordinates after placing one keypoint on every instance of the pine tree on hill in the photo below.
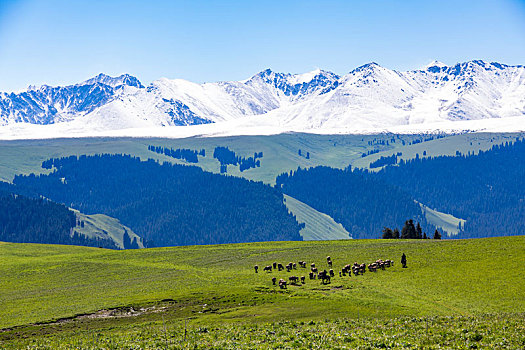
(409, 230)
(437, 235)
(419, 231)
(388, 233)
(396, 233)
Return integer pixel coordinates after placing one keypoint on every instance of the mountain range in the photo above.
(368, 97)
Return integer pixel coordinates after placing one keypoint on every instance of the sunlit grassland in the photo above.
(491, 331)
(454, 277)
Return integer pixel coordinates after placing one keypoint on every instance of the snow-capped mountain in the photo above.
(48, 105)
(124, 79)
(368, 97)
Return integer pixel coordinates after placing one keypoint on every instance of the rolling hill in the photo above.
(215, 286)
(281, 154)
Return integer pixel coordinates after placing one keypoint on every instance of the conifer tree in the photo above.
(405, 231)
(409, 231)
(419, 231)
(437, 235)
(396, 233)
(388, 233)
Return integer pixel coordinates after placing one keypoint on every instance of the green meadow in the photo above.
(50, 295)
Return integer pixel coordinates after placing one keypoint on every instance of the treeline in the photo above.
(369, 152)
(383, 161)
(487, 189)
(35, 220)
(361, 203)
(168, 204)
(226, 157)
(188, 155)
(409, 231)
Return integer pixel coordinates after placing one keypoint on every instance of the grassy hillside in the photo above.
(217, 283)
(280, 151)
(318, 226)
(491, 331)
(446, 146)
(446, 222)
(105, 227)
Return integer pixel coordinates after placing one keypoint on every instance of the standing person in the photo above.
(404, 260)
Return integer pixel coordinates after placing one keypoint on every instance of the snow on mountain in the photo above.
(435, 65)
(124, 79)
(372, 96)
(49, 105)
(369, 97)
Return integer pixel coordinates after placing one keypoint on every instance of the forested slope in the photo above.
(363, 204)
(35, 220)
(486, 189)
(167, 204)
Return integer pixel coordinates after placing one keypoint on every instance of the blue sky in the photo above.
(63, 42)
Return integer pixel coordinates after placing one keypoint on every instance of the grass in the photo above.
(318, 226)
(280, 155)
(105, 227)
(215, 286)
(463, 332)
(446, 222)
(447, 146)
(280, 151)
(451, 285)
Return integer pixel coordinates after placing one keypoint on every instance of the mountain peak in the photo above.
(369, 96)
(309, 76)
(124, 79)
(435, 67)
(435, 63)
(264, 73)
(366, 67)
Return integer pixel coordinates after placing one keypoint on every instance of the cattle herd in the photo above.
(324, 276)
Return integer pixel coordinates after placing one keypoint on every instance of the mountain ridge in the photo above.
(369, 96)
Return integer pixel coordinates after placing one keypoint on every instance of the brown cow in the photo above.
(289, 267)
(324, 277)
